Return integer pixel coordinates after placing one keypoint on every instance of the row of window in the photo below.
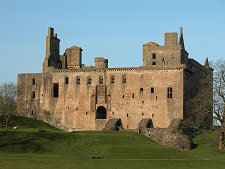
(56, 91)
(89, 79)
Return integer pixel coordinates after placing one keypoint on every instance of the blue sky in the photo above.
(114, 29)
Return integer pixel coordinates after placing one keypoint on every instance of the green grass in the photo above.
(27, 147)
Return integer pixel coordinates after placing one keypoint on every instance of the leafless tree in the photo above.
(219, 99)
(7, 101)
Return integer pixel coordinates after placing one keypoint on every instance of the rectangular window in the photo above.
(169, 92)
(78, 80)
(112, 80)
(55, 90)
(154, 56)
(33, 81)
(66, 80)
(33, 94)
(152, 90)
(100, 80)
(141, 90)
(124, 79)
(89, 80)
(153, 63)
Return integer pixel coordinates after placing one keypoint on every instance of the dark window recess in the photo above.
(33, 81)
(152, 90)
(124, 79)
(141, 90)
(127, 115)
(142, 102)
(153, 63)
(78, 80)
(152, 115)
(33, 94)
(142, 114)
(112, 79)
(55, 90)
(133, 95)
(89, 80)
(169, 92)
(156, 97)
(113, 113)
(66, 80)
(101, 112)
(154, 56)
(86, 113)
(100, 80)
(123, 96)
(32, 112)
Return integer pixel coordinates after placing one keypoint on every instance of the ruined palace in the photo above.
(168, 86)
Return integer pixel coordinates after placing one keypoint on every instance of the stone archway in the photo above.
(146, 123)
(101, 112)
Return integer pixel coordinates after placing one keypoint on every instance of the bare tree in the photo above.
(219, 99)
(7, 101)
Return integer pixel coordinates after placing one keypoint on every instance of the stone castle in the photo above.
(73, 97)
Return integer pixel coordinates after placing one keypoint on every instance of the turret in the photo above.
(100, 62)
(181, 40)
(74, 57)
(170, 39)
(206, 64)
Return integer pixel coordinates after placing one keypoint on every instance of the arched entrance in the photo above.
(101, 112)
(146, 123)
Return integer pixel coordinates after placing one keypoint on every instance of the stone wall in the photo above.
(168, 136)
(131, 101)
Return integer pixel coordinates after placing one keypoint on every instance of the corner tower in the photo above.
(172, 53)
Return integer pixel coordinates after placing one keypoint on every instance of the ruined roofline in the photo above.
(197, 64)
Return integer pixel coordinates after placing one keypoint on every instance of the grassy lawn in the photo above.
(30, 147)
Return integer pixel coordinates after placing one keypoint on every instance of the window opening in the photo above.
(141, 90)
(66, 80)
(55, 90)
(33, 94)
(89, 80)
(154, 56)
(169, 92)
(33, 81)
(78, 80)
(124, 79)
(152, 90)
(112, 79)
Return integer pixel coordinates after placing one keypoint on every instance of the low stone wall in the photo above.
(168, 136)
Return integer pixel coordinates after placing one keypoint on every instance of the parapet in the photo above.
(101, 62)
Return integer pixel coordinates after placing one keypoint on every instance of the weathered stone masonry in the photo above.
(71, 96)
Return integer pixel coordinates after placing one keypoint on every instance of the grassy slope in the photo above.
(27, 147)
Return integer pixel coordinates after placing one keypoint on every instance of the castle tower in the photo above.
(74, 57)
(172, 53)
(100, 62)
(52, 57)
